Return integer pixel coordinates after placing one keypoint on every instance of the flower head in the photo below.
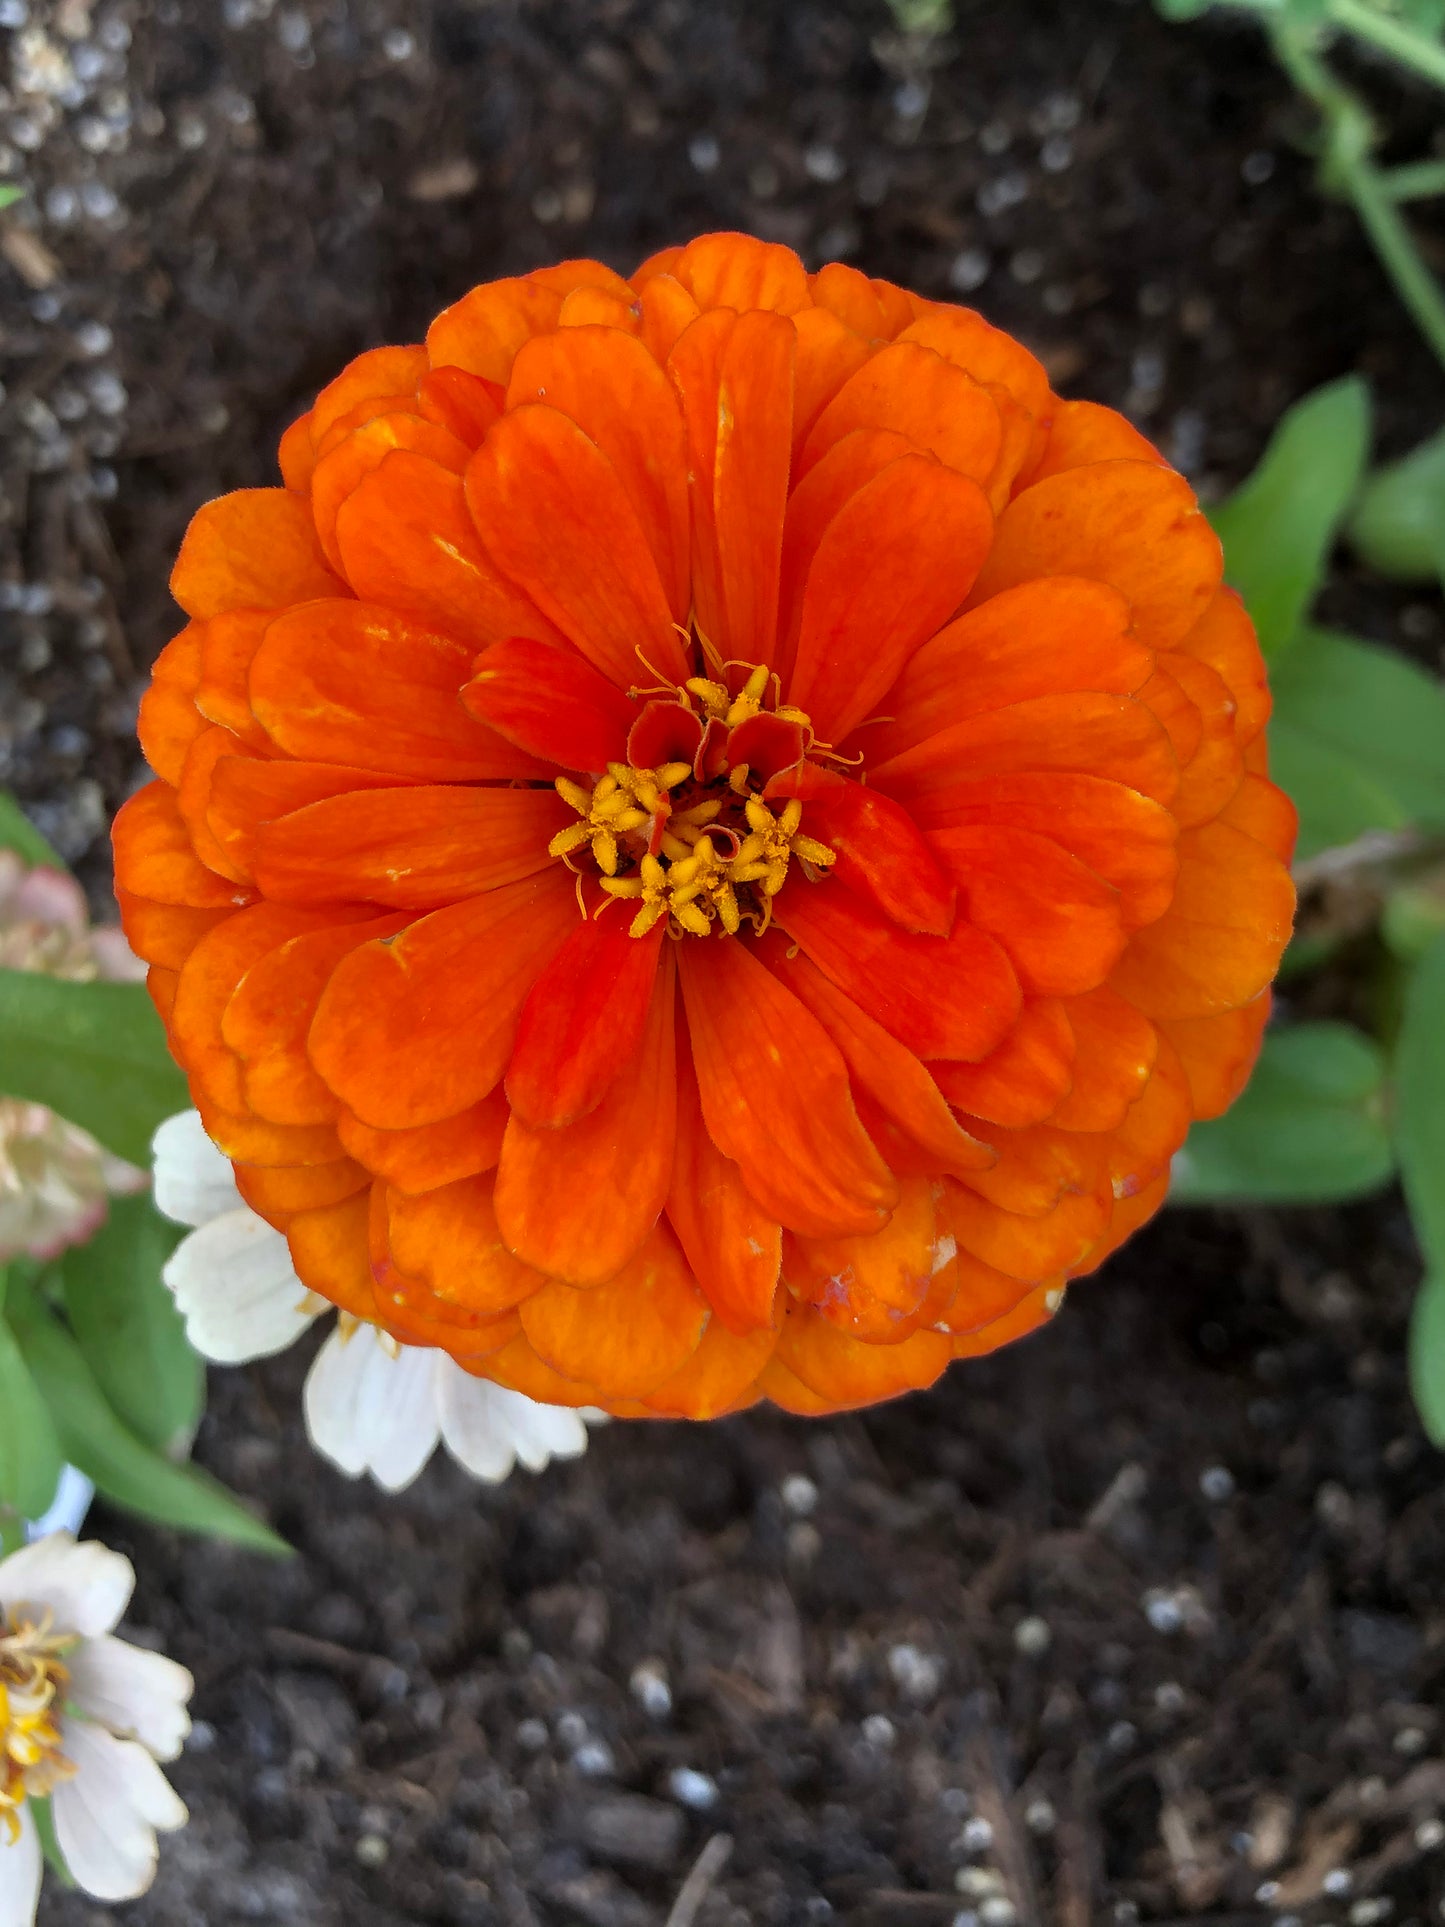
(711, 840)
(84, 1718)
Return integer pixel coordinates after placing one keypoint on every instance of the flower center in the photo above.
(683, 829)
(33, 1683)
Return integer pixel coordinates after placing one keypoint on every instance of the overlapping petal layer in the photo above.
(900, 704)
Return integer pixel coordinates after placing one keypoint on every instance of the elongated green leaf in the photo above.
(18, 833)
(44, 1818)
(1427, 1356)
(1414, 915)
(1278, 526)
(1356, 739)
(94, 1052)
(128, 1328)
(1398, 522)
(29, 1449)
(1420, 1102)
(126, 1471)
(1310, 1126)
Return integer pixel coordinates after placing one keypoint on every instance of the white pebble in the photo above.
(977, 1835)
(1033, 1636)
(595, 1760)
(692, 1789)
(799, 1495)
(879, 1731)
(1216, 1482)
(650, 1688)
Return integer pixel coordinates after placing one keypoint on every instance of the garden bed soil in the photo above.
(1141, 1619)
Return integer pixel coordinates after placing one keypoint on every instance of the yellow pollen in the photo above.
(33, 1684)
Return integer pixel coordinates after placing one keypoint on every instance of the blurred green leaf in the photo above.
(44, 1819)
(1309, 1128)
(1399, 520)
(1427, 1356)
(1356, 739)
(96, 1053)
(18, 833)
(1278, 526)
(1420, 1102)
(127, 1471)
(1414, 915)
(29, 1448)
(10, 194)
(127, 1326)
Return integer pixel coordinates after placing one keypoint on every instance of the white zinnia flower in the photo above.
(371, 1405)
(84, 1718)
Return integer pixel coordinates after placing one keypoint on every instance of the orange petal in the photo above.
(988, 355)
(775, 1096)
(981, 1295)
(246, 793)
(339, 473)
(583, 1021)
(1224, 638)
(594, 307)
(577, 1201)
(734, 1247)
(628, 1336)
(416, 1030)
(409, 543)
(1027, 1247)
(296, 456)
(877, 848)
(851, 296)
(331, 1253)
(1259, 809)
(169, 722)
(736, 271)
(828, 355)
(668, 311)
(1218, 1053)
(1153, 1129)
(566, 277)
(463, 404)
(254, 549)
(228, 645)
(1038, 1167)
(1129, 1214)
(1024, 1078)
(719, 1377)
(278, 1192)
(349, 682)
(411, 849)
(848, 466)
(1127, 523)
(164, 933)
(1212, 773)
(380, 371)
(916, 392)
(1082, 433)
(193, 800)
(154, 858)
(844, 1373)
(483, 331)
(952, 996)
(448, 1238)
(615, 392)
(1117, 1048)
(735, 376)
(252, 1140)
(209, 979)
(554, 515)
(518, 1367)
(1032, 1311)
(871, 1287)
(551, 702)
(430, 1154)
(358, 417)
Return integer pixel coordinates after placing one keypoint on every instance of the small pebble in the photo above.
(1122, 1735)
(1033, 1636)
(1267, 1892)
(1161, 1609)
(879, 1731)
(372, 1850)
(692, 1789)
(1216, 1482)
(917, 1674)
(799, 1495)
(977, 1835)
(977, 1882)
(649, 1687)
(998, 1911)
(1039, 1816)
(595, 1760)
(1337, 1881)
(1410, 1740)
(969, 271)
(704, 153)
(532, 1734)
(397, 44)
(1429, 1835)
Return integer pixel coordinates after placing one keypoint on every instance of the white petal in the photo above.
(107, 1816)
(194, 1181)
(21, 1866)
(370, 1411)
(488, 1428)
(139, 1695)
(86, 1586)
(236, 1288)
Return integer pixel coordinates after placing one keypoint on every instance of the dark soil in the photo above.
(1140, 1620)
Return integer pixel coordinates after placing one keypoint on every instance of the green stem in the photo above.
(1414, 50)
(1417, 182)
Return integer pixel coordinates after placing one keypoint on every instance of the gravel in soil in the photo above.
(1140, 1620)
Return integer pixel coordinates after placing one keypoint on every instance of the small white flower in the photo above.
(372, 1405)
(84, 1718)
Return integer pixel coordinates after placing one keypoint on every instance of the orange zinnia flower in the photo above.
(711, 840)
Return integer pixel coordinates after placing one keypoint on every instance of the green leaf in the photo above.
(18, 833)
(1427, 1356)
(1278, 526)
(1420, 1102)
(127, 1326)
(41, 1814)
(96, 1053)
(1414, 915)
(127, 1471)
(29, 1448)
(1397, 524)
(1309, 1128)
(1356, 739)
(10, 194)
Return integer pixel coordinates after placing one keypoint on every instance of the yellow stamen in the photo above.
(34, 1681)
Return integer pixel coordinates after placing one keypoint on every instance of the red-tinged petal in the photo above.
(1059, 923)
(416, 1030)
(851, 296)
(769, 745)
(1131, 524)
(411, 849)
(1044, 638)
(380, 371)
(350, 682)
(1041, 1165)
(169, 721)
(209, 979)
(332, 1255)
(577, 1201)
(296, 455)
(247, 793)
(734, 373)
(278, 1192)
(1213, 773)
(734, 1247)
(878, 849)
(841, 1371)
(1156, 1125)
(556, 519)
(896, 561)
(408, 543)
(1218, 1053)
(1024, 1078)
(164, 933)
(161, 985)
(340, 472)
(193, 799)
(550, 702)
(668, 311)
(1224, 638)
(1117, 1048)
(448, 1237)
(664, 732)
(720, 1377)
(1128, 839)
(871, 1287)
(737, 271)
(1027, 1248)
(154, 858)
(253, 1140)
(430, 1154)
(1083, 433)
(1260, 810)
(1094, 735)
(228, 645)
(916, 392)
(463, 404)
(583, 1022)
(1220, 941)
(879, 1064)
(828, 355)
(629, 1335)
(952, 996)
(482, 332)
(610, 386)
(775, 1096)
(406, 406)
(253, 549)
(267, 1018)
(847, 467)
